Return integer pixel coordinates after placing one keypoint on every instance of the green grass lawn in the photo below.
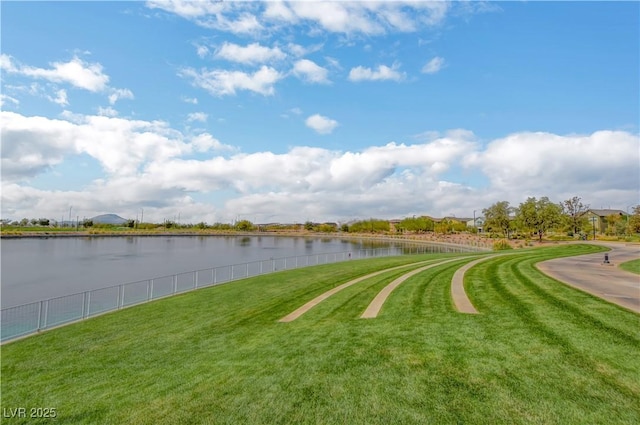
(632, 266)
(540, 352)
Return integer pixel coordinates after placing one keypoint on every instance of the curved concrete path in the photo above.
(607, 281)
(458, 294)
(317, 300)
(374, 308)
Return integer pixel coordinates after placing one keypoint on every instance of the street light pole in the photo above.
(475, 226)
(593, 220)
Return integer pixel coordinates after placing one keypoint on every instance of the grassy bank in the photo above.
(632, 266)
(539, 352)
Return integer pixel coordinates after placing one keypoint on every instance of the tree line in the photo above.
(536, 217)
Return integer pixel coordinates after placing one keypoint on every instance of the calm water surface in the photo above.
(41, 268)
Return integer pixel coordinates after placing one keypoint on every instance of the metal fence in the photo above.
(33, 317)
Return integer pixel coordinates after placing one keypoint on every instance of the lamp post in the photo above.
(593, 221)
(475, 226)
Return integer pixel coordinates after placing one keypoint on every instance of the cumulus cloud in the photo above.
(382, 73)
(536, 162)
(310, 72)
(321, 124)
(220, 82)
(148, 162)
(78, 73)
(253, 53)
(433, 66)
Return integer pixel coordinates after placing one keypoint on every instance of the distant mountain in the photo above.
(108, 219)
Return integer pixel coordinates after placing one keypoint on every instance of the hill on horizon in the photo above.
(108, 219)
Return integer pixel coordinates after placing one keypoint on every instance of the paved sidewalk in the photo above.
(607, 281)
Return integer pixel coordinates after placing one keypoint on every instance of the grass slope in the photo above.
(539, 352)
(632, 266)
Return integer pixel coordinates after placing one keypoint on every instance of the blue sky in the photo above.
(294, 111)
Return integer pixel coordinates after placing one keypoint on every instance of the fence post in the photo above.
(260, 267)
(84, 303)
(120, 297)
(88, 303)
(215, 275)
(195, 279)
(175, 283)
(40, 314)
(247, 265)
(151, 291)
(46, 314)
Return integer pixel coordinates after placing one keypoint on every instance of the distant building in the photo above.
(598, 218)
(478, 224)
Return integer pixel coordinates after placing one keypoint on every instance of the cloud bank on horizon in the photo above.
(323, 111)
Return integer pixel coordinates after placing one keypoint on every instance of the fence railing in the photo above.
(30, 318)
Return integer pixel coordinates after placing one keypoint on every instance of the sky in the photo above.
(217, 111)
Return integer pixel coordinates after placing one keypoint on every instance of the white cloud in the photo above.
(539, 163)
(149, 162)
(61, 98)
(382, 73)
(6, 98)
(222, 82)
(358, 17)
(118, 94)
(197, 116)
(433, 66)
(202, 51)
(321, 124)
(107, 112)
(310, 72)
(253, 53)
(192, 100)
(78, 73)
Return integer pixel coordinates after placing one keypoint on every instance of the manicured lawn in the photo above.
(632, 266)
(539, 352)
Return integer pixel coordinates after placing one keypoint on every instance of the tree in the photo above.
(497, 217)
(245, 226)
(573, 210)
(43, 221)
(416, 224)
(538, 216)
(308, 225)
(634, 220)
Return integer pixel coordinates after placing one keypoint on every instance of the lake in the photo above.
(35, 269)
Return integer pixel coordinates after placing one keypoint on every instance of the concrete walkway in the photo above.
(458, 294)
(317, 300)
(374, 308)
(607, 281)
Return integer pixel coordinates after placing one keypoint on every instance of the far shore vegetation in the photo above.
(533, 220)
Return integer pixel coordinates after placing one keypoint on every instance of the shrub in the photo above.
(501, 245)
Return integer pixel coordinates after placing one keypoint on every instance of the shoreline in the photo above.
(469, 240)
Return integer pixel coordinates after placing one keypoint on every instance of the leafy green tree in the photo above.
(539, 216)
(87, 222)
(633, 224)
(308, 225)
(370, 226)
(245, 226)
(574, 213)
(344, 227)
(416, 224)
(43, 221)
(497, 217)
